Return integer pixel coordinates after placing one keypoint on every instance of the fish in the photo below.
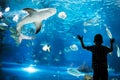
(3, 26)
(62, 15)
(1, 14)
(74, 72)
(34, 16)
(93, 22)
(15, 18)
(108, 31)
(46, 48)
(118, 51)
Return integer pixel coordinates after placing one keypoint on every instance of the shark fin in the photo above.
(38, 26)
(29, 10)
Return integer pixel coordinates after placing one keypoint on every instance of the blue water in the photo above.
(58, 33)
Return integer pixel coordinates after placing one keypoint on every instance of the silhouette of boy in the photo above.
(99, 56)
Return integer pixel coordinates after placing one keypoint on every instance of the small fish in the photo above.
(74, 72)
(108, 31)
(46, 48)
(3, 26)
(15, 18)
(62, 15)
(1, 14)
(118, 51)
(7, 9)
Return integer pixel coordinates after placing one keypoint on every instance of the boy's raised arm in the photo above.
(111, 44)
(81, 40)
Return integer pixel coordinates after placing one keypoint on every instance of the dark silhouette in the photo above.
(99, 56)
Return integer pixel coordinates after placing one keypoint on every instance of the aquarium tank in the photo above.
(38, 38)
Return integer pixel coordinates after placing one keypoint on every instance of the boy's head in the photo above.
(98, 39)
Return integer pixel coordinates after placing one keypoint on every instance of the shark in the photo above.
(35, 16)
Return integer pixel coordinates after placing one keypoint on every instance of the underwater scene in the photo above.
(38, 38)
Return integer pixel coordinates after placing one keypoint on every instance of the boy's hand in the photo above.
(112, 40)
(80, 37)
